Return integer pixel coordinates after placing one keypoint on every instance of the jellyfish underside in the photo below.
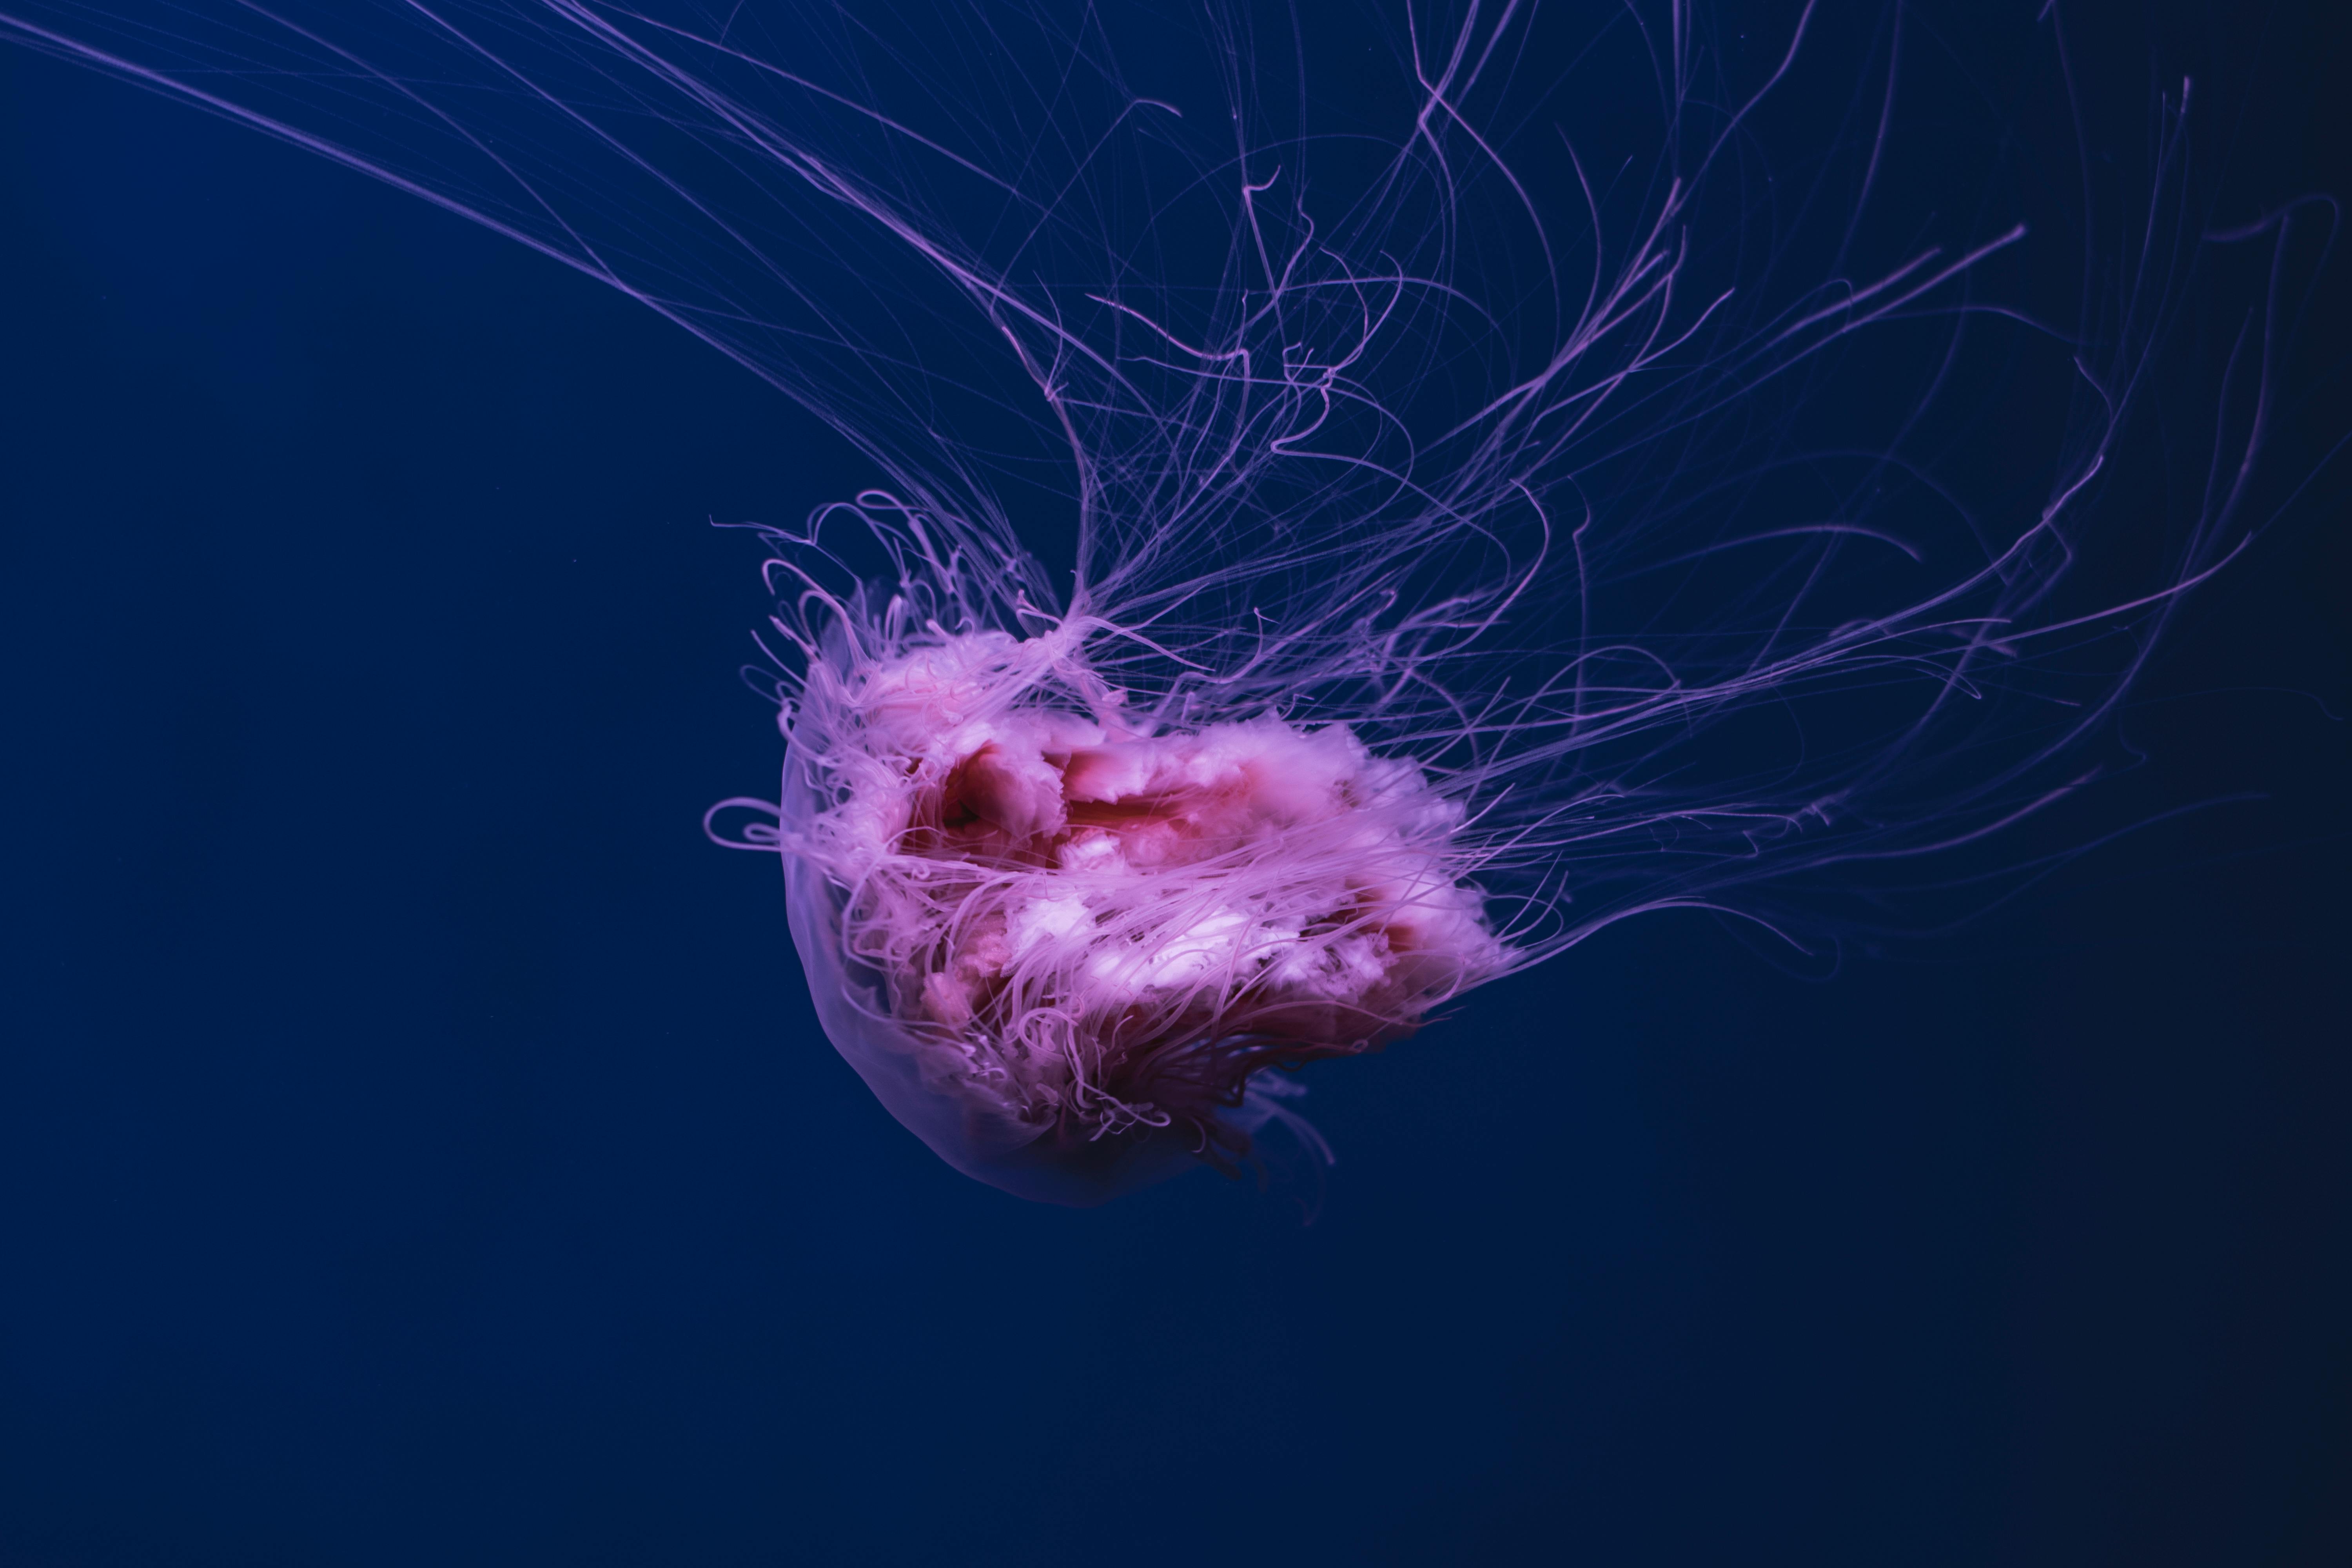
(1063, 946)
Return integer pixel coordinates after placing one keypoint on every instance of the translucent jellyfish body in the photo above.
(1063, 947)
(1363, 502)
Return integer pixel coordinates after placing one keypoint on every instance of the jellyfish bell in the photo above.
(1072, 949)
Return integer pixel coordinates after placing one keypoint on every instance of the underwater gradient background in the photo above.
(416, 1146)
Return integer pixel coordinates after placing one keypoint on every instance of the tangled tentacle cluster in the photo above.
(1089, 928)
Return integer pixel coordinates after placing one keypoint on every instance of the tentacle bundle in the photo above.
(1081, 938)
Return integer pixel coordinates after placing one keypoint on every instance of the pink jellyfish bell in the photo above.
(1066, 946)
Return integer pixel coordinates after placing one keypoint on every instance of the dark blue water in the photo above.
(415, 1145)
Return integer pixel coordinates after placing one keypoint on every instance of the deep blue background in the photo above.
(415, 1145)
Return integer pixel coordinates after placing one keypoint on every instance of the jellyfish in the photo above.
(1367, 497)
